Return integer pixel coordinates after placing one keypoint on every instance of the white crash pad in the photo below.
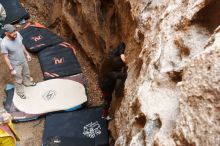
(51, 95)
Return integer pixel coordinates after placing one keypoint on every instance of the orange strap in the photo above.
(50, 74)
(67, 45)
(35, 24)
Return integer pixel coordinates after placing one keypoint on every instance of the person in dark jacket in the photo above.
(110, 72)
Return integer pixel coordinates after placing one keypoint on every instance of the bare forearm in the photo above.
(25, 51)
(27, 54)
(7, 62)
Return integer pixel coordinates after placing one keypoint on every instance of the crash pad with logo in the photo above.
(59, 61)
(82, 128)
(20, 116)
(50, 96)
(36, 37)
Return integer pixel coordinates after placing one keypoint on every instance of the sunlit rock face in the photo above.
(172, 93)
(198, 123)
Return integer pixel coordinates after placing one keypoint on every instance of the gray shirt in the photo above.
(14, 49)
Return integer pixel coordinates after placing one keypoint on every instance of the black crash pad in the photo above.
(59, 61)
(37, 38)
(2, 33)
(14, 11)
(78, 128)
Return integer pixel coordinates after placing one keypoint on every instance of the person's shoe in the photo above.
(105, 115)
(30, 84)
(108, 118)
(33, 84)
(31, 79)
(22, 96)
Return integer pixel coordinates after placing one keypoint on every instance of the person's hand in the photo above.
(123, 58)
(13, 72)
(29, 58)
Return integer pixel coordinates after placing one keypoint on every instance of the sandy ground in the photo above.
(31, 132)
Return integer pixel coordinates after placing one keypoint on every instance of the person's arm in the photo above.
(118, 51)
(7, 62)
(24, 48)
(6, 59)
(27, 54)
(117, 75)
(4, 53)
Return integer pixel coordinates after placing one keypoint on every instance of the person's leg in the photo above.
(26, 75)
(107, 102)
(18, 81)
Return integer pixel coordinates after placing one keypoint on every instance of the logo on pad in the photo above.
(58, 60)
(92, 130)
(49, 95)
(37, 38)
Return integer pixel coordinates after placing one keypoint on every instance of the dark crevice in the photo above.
(113, 24)
(75, 7)
(209, 16)
(68, 35)
(66, 32)
(135, 107)
(140, 121)
(175, 76)
(106, 5)
(209, 68)
(138, 63)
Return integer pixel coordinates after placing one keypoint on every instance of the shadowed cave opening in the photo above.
(209, 16)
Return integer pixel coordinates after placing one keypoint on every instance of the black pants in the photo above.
(107, 96)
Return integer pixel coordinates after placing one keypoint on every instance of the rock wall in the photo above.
(175, 82)
(98, 26)
(173, 48)
(198, 123)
